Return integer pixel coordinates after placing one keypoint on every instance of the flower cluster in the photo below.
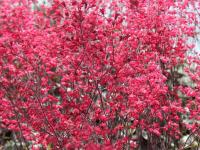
(93, 74)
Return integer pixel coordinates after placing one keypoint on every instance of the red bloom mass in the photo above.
(96, 74)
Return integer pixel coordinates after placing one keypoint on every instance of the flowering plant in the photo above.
(98, 74)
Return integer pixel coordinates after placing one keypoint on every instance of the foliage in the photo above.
(95, 74)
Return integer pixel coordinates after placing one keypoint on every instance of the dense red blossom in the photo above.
(92, 74)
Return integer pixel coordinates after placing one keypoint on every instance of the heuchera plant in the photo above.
(98, 74)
